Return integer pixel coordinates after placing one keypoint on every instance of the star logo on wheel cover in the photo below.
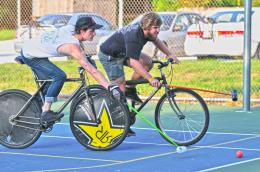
(103, 133)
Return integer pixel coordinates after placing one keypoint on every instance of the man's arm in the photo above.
(138, 67)
(75, 51)
(165, 50)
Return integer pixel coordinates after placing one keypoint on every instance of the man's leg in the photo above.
(115, 71)
(45, 69)
(131, 91)
(146, 62)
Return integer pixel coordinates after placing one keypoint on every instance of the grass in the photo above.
(7, 34)
(211, 74)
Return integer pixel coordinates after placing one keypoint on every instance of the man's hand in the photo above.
(116, 92)
(174, 58)
(154, 82)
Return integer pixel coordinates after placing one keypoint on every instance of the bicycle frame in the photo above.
(40, 85)
(144, 81)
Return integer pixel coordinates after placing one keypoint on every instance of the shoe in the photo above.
(19, 60)
(51, 116)
(130, 133)
(131, 93)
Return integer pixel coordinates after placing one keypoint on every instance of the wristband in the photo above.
(150, 79)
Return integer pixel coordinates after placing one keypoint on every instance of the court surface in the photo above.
(230, 130)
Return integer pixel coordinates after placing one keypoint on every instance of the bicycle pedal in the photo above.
(47, 126)
(47, 130)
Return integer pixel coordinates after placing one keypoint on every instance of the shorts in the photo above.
(114, 67)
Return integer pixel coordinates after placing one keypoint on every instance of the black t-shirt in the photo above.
(127, 42)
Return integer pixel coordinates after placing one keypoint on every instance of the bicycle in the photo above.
(181, 114)
(97, 120)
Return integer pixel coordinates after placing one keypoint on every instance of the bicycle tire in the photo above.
(185, 129)
(20, 135)
(112, 129)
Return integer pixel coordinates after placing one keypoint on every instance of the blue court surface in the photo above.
(229, 132)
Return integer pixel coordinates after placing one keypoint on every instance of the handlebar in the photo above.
(163, 64)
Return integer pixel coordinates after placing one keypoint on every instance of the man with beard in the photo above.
(124, 48)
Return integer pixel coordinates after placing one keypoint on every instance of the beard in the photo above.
(151, 37)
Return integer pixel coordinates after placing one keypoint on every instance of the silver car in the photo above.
(54, 21)
(173, 32)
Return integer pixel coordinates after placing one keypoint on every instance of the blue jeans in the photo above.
(44, 69)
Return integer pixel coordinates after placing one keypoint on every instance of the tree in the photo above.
(173, 5)
(166, 5)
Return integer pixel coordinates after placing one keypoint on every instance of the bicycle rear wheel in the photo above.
(183, 116)
(103, 130)
(25, 129)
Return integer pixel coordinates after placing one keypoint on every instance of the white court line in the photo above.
(143, 158)
(168, 144)
(62, 157)
(229, 165)
(228, 148)
(208, 132)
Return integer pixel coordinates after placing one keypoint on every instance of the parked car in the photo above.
(55, 21)
(173, 32)
(223, 35)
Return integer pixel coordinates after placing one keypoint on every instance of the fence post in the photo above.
(247, 56)
(121, 13)
(18, 8)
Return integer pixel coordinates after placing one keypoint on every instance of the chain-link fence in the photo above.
(210, 48)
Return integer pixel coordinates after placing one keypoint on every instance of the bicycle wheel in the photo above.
(25, 129)
(82, 91)
(105, 129)
(183, 116)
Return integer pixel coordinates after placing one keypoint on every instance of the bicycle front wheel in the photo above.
(105, 127)
(183, 116)
(24, 130)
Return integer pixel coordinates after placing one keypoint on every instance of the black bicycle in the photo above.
(181, 114)
(97, 120)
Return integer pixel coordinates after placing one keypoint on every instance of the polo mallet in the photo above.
(233, 92)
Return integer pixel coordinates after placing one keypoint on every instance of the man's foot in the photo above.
(50, 116)
(131, 93)
(130, 133)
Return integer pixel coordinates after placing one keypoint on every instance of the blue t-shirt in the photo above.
(127, 42)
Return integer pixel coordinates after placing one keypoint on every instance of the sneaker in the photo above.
(130, 133)
(51, 116)
(19, 60)
(131, 93)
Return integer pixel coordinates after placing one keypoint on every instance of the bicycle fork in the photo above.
(173, 103)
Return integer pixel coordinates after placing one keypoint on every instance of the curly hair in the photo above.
(150, 19)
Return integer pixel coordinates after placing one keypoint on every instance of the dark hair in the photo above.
(85, 23)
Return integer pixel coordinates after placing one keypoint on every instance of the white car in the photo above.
(223, 35)
(173, 32)
(54, 21)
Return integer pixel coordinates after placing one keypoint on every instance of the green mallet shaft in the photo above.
(151, 124)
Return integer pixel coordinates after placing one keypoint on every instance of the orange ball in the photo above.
(239, 154)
